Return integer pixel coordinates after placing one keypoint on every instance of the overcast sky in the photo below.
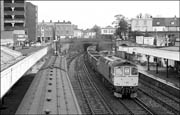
(86, 14)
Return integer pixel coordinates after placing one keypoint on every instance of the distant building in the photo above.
(109, 30)
(166, 24)
(89, 34)
(78, 33)
(64, 30)
(75, 26)
(14, 15)
(45, 31)
(141, 24)
(31, 20)
(2, 14)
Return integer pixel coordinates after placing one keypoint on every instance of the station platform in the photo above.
(50, 92)
(170, 84)
(173, 78)
(166, 78)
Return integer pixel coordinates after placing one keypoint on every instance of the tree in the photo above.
(121, 26)
(96, 29)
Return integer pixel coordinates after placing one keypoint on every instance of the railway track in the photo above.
(135, 106)
(71, 58)
(139, 105)
(163, 100)
(94, 100)
(77, 86)
(160, 92)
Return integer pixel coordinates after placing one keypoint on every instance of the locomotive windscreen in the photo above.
(118, 71)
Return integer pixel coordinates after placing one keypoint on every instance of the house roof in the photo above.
(167, 22)
(108, 27)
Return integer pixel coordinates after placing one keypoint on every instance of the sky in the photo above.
(86, 14)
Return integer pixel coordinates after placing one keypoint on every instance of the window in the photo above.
(134, 71)
(172, 23)
(118, 71)
(158, 23)
(137, 22)
(126, 70)
(105, 31)
(112, 31)
(145, 22)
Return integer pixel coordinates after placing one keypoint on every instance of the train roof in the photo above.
(111, 58)
(122, 63)
(115, 61)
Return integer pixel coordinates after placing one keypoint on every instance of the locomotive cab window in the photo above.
(118, 70)
(134, 71)
(126, 70)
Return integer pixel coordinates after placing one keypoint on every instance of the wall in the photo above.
(141, 24)
(64, 29)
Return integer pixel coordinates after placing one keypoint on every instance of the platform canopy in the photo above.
(156, 52)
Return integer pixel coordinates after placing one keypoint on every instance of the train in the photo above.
(120, 75)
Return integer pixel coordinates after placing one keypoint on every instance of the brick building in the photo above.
(45, 31)
(64, 29)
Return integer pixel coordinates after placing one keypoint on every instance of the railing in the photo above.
(12, 74)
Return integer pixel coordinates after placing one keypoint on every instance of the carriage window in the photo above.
(134, 71)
